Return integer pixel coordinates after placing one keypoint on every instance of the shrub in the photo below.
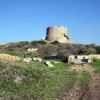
(96, 65)
(55, 42)
(97, 49)
(35, 43)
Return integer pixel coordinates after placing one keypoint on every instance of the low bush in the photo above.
(96, 65)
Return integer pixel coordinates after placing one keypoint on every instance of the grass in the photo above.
(96, 65)
(85, 78)
(39, 81)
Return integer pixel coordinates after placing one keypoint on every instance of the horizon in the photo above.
(27, 20)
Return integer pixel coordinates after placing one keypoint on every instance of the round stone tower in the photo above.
(57, 33)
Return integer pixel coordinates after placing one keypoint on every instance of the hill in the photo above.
(35, 80)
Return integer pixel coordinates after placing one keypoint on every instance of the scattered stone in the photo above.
(5, 98)
(37, 59)
(48, 63)
(28, 60)
(17, 79)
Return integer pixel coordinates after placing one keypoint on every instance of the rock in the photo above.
(17, 79)
(28, 60)
(37, 59)
(48, 63)
(32, 49)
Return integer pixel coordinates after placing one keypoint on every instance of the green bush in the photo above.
(35, 43)
(23, 54)
(97, 49)
(96, 65)
(55, 42)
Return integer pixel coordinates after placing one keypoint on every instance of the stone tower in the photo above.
(57, 33)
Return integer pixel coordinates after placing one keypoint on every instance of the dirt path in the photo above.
(94, 86)
(93, 92)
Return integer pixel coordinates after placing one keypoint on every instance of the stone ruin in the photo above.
(57, 33)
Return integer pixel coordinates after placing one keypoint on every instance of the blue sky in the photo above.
(28, 19)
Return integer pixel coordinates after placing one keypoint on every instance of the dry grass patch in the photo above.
(7, 57)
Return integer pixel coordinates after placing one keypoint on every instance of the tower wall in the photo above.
(57, 33)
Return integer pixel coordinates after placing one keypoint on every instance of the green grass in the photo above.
(39, 81)
(96, 65)
(84, 79)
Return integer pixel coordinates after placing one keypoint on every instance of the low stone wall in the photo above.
(94, 56)
(79, 58)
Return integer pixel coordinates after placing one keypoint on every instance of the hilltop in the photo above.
(49, 77)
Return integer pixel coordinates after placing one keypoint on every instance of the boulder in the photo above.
(17, 79)
(28, 60)
(48, 63)
(37, 59)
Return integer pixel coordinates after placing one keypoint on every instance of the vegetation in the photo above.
(96, 65)
(54, 48)
(85, 78)
(23, 54)
(36, 81)
(39, 81)
(97, 49)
